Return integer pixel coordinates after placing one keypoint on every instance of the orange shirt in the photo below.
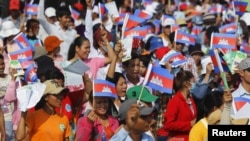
(44, 127)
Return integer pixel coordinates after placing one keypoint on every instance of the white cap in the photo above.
(50, 12)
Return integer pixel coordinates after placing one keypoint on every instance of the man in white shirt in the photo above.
(60, 29)
(241, 96)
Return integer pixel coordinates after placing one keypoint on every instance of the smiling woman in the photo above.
(51, 125)
(97, 124)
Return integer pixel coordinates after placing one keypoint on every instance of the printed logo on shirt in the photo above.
(68, 108)
(62, 127)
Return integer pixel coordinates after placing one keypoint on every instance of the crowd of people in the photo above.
(69, 106)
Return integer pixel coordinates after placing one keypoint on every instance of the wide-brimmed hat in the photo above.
(53, 87)
(8, 28)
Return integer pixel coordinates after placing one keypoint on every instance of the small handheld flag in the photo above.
(185, 38)
(104, 88)
(74, 14)
(220, 40)
(160, 79)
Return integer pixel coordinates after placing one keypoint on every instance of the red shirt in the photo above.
(178, 116)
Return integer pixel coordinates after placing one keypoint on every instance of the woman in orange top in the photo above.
(45, 124)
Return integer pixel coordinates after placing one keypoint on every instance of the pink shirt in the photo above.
(85, 129)
(94, 64)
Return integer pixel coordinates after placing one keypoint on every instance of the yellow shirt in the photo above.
(199, 131)
(44, 127)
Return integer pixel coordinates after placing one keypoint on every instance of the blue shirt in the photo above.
(123, 135)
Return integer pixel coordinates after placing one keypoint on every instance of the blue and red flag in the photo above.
(174, 58)
(240, 7)
(218, 61)
(104, 88)
(239, 103)
(30, 73)
(74, 13)
(22, 41)
(228, 28)
(120, 19)
(216, 9)
(142, 14)
(196, 30)
(185, 38)
(138, 32)
(155, 43)
(133, 21)
(147, 2)
(245, 48)
(21, 55)
(160, 79)
(221, 40)
(157, 24)
(174, 27)
(31, 9)
(102, 10)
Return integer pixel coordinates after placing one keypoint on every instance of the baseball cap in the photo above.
(50, 12)
(244, 64)
(53, 87)
(125, 106)
(52, 42)
(146, 95)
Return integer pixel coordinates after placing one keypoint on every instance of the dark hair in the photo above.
(1, 57)
(210, 30)
(181, 77)
(117, 76)
(134, 56)
(62, 11)
(213, 99)
(31, 23)
(244, 29)
(41, 103)
(54, 74)
(76, 43)
(145, 59)
(147, 44)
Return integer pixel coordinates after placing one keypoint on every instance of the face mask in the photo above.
(193, 85)
(214, 117)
